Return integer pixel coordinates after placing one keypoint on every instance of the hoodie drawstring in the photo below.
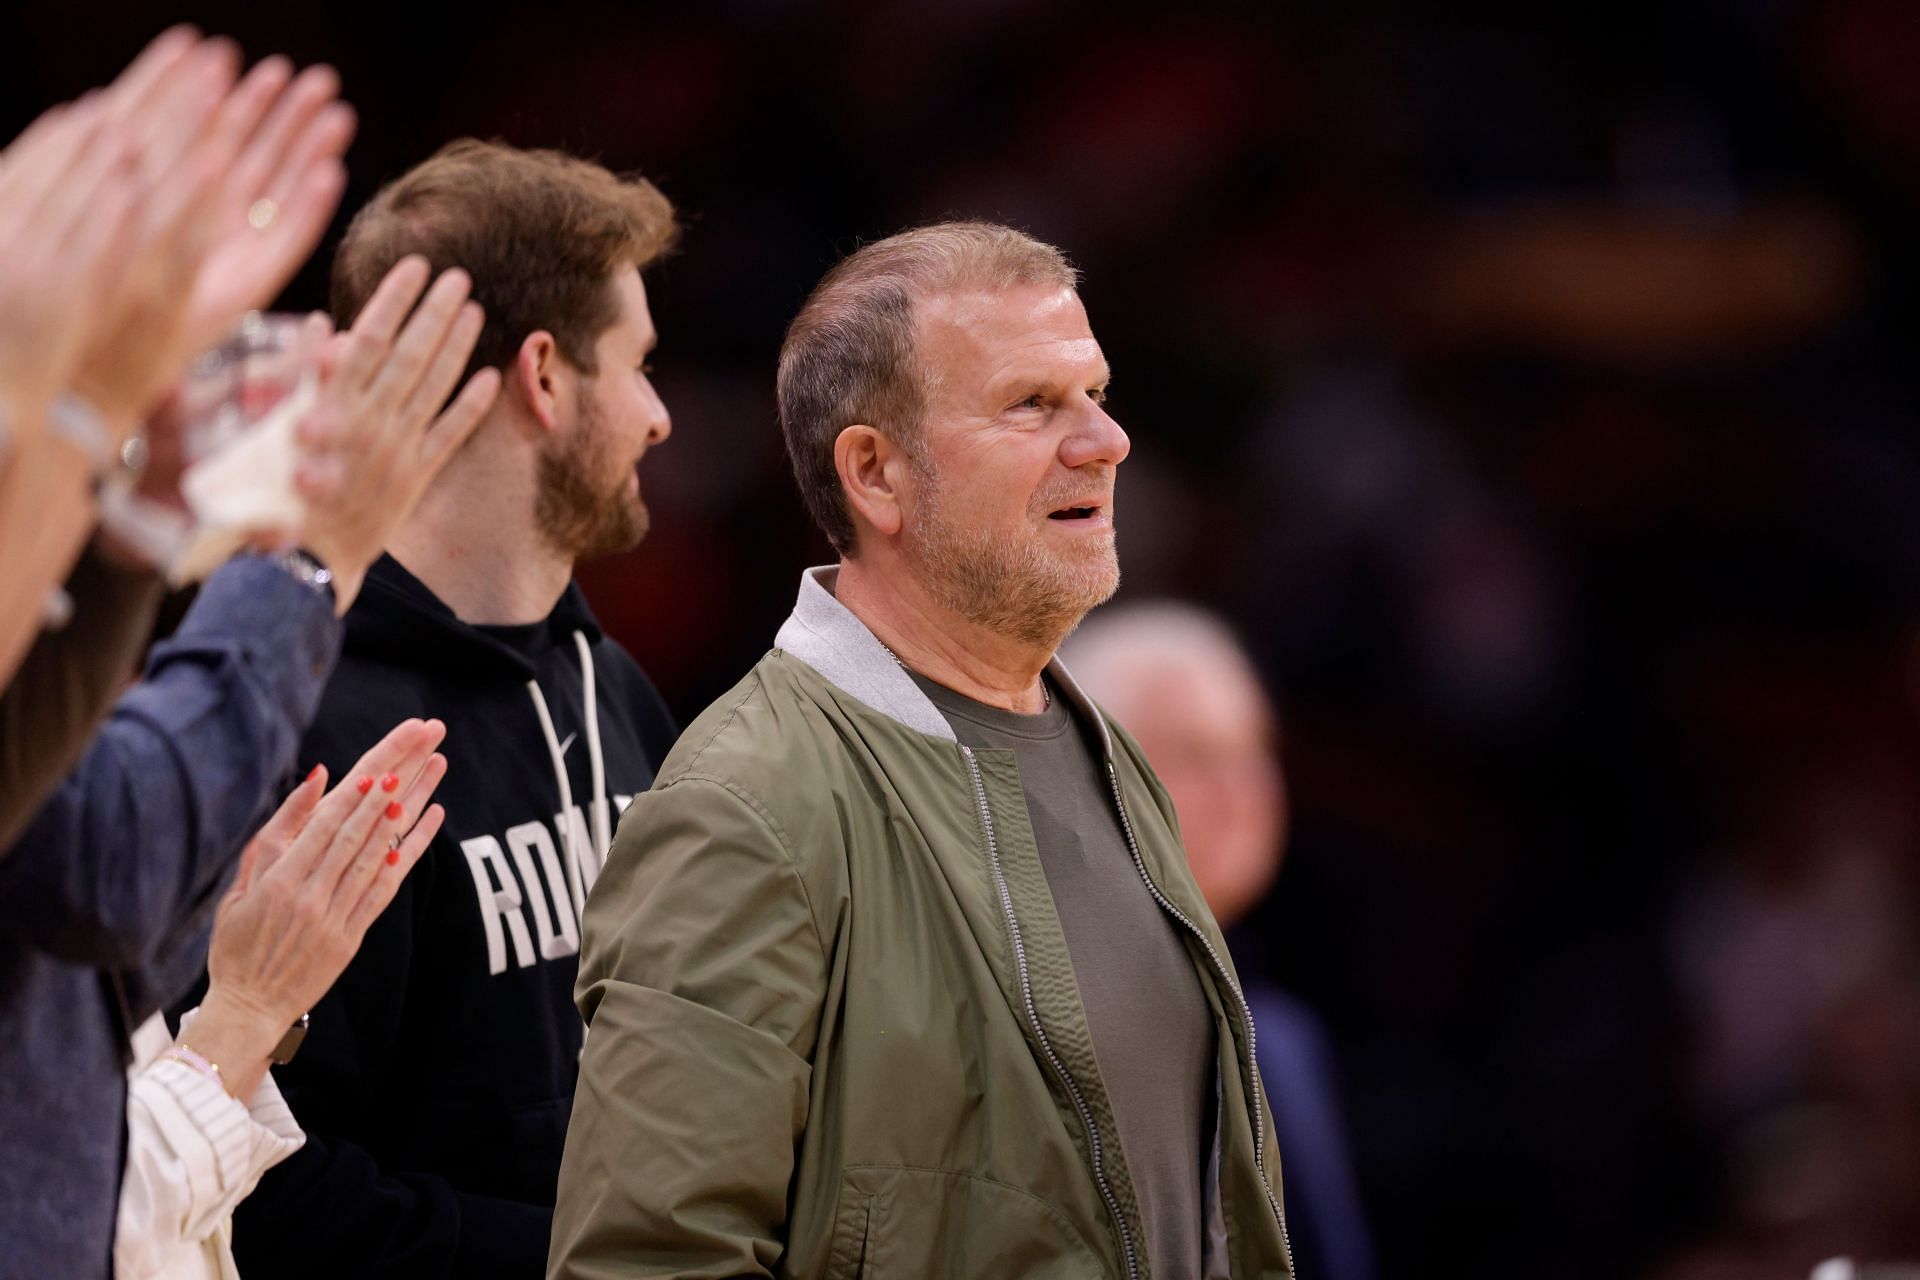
(596, 805)
(597, 814)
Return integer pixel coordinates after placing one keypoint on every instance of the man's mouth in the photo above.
(1077, 514)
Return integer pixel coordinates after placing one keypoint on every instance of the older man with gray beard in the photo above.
(899, 968)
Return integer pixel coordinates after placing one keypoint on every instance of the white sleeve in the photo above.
(193, 1153)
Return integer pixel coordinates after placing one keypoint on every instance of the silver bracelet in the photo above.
(308, 571)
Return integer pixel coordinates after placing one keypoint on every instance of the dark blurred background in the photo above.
(1530, 384)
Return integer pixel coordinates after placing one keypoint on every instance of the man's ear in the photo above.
(536, 366)
(874, 475)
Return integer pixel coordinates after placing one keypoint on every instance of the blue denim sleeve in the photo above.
(163, 801)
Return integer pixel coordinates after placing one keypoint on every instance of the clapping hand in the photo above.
(235, 181)
(317, 874)
(383, 427)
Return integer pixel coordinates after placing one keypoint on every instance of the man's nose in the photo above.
(659, 421)
(1096, 439)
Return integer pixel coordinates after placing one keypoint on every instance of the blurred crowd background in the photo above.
(1530, 385)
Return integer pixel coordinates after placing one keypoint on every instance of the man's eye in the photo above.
(1098, 395)
(1034, 401)
(646, 369)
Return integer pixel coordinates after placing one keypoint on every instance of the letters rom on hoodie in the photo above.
(517, 874)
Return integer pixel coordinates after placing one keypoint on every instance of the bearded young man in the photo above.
(899, 969)
(436, 1077)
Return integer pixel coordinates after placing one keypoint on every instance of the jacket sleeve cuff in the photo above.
(286, 628)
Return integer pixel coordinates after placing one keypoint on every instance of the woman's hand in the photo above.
(311, 881)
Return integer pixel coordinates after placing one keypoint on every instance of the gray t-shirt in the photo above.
(1152, 1031)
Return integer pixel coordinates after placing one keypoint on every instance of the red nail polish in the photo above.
(390, 783)
(363, 786)
(313, 773)
(393, 857)
(394, 811)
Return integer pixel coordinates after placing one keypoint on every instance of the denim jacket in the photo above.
(107, 897)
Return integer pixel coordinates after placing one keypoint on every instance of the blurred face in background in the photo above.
(1208, 731)
(1010, 518)
(589, 502)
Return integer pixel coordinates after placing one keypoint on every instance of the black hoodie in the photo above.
(437, 1077)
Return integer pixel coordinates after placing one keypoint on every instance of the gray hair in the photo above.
(1118, 646)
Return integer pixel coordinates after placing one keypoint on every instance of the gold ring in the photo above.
(261, 213)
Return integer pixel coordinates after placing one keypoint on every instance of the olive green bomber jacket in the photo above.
(833, 1030)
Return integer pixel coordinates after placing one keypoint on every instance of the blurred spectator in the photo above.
(103, 896)
(140, 224)
(1797, 956)
(1174, 677)
(127, 211)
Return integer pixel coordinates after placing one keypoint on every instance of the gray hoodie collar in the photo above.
(825, 634)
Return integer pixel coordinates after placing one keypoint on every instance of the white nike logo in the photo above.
(567, 742)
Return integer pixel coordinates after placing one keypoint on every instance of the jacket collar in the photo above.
(827, 636)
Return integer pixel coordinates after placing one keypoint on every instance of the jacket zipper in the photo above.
(1246, 1013)
(1033, 1019)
